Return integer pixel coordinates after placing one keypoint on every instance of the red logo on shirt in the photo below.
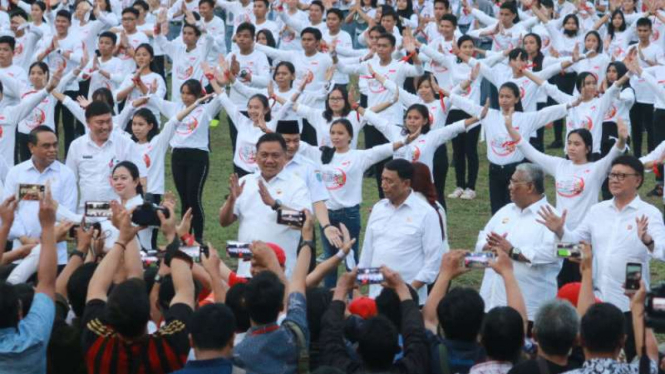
(146, 159)
(571, 187)
(334, 179)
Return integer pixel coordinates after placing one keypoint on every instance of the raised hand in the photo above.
(486, 108)
(643, 230)
(83, 101)
(235, 188)
(7, 210)
(553, 222)
(47, 208)
(451, 264)
(265, 195)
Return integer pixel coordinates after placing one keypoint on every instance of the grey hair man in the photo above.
(555, 330)
(515, 230)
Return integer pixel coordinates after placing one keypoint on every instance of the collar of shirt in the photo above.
(264, 329)
(108, 142)
(634, 204)
(409, 202)
(282, 175)
(55, 166)
(533, 208)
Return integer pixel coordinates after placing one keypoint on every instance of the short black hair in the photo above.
(336, 12)
(450, 18)
(602, 329)
(266, 2)
(110, 35)
(77, 287)
(403, 168)
(318, 3)
(212, 327)
(246, 26)
(18, 12)
(502, 334)
(388, 304)
(142, 4)
(235, 299)
(390, 37)
(445, 2)
(377, 343)
(644, 22)
(461, 314)
(632, 162)
(378, 28)
(209, 2)
(556, 327)
(6, 39)
(26, 294)
(64, 14)
(318, 301)
(196, 29)
(97, 108)
(312, 30)
(131, 10)
(128, 308)
(34, 133)
(271, 137)
(264, 295)
(388, 11)
(9, 305)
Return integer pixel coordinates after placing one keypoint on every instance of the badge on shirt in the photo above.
(87, 157)
(630, 227)
(505, 220)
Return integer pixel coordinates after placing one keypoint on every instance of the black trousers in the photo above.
(156, 199)
(641, 119)
(440, 172)
(22, 150)
(465, 153)
(539, 141)
(658, 135)
(374, 137)
(499, 179)
(565, 83)
(72, 128)
(190, 171)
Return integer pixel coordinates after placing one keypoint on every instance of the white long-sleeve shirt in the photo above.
(577, 185)
(112, 66)
(150, 80)
(407, 239)
(63, 190)
(537, 280)
(501, 150)
(186, 64)
(613, 235)
(9, 120)
(322, 126)
(154, 155)
(92, 165)
(256, 63)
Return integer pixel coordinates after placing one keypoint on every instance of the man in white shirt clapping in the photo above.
(403, 232)
(515, 229)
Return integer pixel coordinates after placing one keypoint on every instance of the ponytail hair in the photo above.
(327, 153)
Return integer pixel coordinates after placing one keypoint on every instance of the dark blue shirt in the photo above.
(214, 366)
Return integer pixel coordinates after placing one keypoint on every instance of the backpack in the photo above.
(301, 342)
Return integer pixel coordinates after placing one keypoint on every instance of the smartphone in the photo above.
(568, 250)
(193, 252)
(369, 276)
(98, 53)
(98, 209)
(30, 192)
(71, 235)
(478, 260)
(238, 250)
(290, 217)
(204, 251)
(633, 276)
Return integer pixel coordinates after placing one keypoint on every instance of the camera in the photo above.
(568, 250)
(146, 213)
(655, 308)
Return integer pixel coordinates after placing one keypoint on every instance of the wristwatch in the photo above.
(308, 243)
(515, 253)
(158, 278)
(276, 205)
(77, 253)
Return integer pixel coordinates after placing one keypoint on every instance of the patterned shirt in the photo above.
(611, 366)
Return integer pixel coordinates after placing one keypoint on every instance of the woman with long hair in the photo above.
(144, 80)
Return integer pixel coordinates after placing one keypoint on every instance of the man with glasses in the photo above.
(515, 230)
(130, 38)
(621, 230)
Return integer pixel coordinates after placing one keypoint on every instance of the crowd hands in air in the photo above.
(99, 274)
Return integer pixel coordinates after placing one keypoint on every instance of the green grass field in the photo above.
(465, 218)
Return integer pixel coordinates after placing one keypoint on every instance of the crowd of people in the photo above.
(100, 274)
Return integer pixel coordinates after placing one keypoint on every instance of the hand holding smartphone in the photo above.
(633, 277)
(369, 276)
(290, 217)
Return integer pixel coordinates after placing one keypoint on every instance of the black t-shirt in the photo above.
(162, 352)
(532, 367)
(65, 354)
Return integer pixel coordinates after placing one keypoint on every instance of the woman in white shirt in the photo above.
(126, 184)
(501, 151)
(144, 80)
(342, 170)
(577, 178)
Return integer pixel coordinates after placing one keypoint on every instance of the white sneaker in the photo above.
(457, 193)
(468, 194)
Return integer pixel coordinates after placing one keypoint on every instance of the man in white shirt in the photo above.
(261, 8)
(515, 229)
(255, 199)
(41, 169)
(403, 232)
(214, 26)
(130, 38)
(93, 156)
(104, 71)
(12, 92)
(65, 49)
(27, 37)
(624, 229)
(340, 38)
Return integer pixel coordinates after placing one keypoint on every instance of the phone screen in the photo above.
(633, 276)
(369, 276)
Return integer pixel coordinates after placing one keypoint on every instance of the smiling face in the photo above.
(46, 149)
(123, 183)
(256, 110)
(38, 77)
(100, 127)
(425, 91)
(271, 158)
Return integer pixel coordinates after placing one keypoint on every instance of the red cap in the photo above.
(571, 292)
(363, 307)
(279, 252)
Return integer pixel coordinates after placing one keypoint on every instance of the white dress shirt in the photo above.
(259, 222)
(407, 239)
(92, 165)
(63, 189)
(613, 235)
(537, 279)
(310, 173)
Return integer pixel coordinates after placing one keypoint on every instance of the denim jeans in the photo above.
(350, 217)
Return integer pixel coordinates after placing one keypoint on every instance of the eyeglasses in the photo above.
(514, 182)
(620, 176)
